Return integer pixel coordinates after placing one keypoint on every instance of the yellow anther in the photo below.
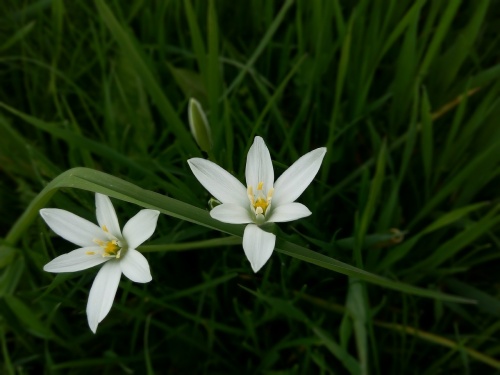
(260, 186)
(105, 228)
(90, 253)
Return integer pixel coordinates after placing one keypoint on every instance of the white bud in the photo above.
(199, 126)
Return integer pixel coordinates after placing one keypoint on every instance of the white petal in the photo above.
(258, 246)
(220, 183)
(259, 166)
(292, 183)
(77, 260)
(140, 227)
(72, 228)
(288, 212)
(103, 293)
(106, 215)
(136, 267)
(231, 213)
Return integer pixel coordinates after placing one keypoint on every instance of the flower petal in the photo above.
(136, 267)
(258, 246)
(72, 228)
(289, 212)
(231, 213)
(220, 183)
(103, 293)
(292, 183)
(77, 260)
(106, 215)
(139, 228)
(259, 166)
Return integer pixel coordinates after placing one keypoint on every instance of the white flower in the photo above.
(104, 244)
(263, 200)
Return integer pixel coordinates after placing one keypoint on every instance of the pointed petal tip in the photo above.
(102, 293)
(319, 152)
(292, 183)
(193, 161)
(256, 268)
(76, 260)
(219, 182)
(93, 323)
(45, 212)
(106, 215)
(259, 167)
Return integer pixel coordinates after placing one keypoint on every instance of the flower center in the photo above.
(260, 202)
(112, 248)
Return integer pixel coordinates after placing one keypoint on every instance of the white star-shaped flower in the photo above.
(104, 244)
(264, 200)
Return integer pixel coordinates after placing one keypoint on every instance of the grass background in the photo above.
(404, 94)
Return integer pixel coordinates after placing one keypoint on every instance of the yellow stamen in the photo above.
(105, 228)
(90, 253)
(111, 247)
(260, 202)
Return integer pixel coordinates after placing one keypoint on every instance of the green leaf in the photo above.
(91, 180)
(27, 317)
(131, 50)
(403, 249)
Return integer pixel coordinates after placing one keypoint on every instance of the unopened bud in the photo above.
(199, 126)
(212, 203)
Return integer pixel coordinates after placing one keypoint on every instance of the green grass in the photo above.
(406, 211)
